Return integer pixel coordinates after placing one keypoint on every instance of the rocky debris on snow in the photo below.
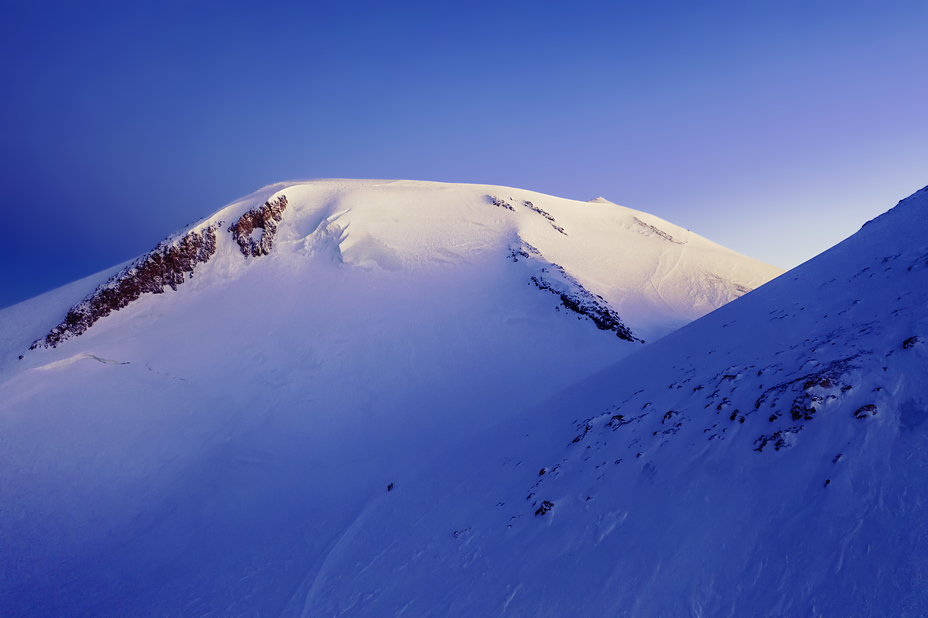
(827, 377)
(783, 438)
(910, 342)
(265, 218)
(865, 411)
(545, 507)
(524, 251)
(659, 232)
(586, 304)
(167, 265)
(544, 214)
(540, 211)
(500, 202)
(573, 295)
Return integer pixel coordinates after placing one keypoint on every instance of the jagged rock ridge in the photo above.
(264, 218)
(167, 265)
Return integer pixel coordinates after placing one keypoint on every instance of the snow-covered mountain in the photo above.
(769, 459)
(200, 431)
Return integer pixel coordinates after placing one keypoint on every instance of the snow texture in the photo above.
(319, 430)
(766, 460)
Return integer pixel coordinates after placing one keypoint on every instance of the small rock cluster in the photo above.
(577, 298)
(589, 305)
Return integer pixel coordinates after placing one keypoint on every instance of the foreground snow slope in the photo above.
(770, 459)
(200, 429)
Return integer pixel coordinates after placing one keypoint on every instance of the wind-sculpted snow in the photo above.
(167, 265)
(767, 460)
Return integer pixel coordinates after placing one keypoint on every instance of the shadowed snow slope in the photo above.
(770, 459)
(205, 430)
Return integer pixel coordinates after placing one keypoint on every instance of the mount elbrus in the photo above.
(766, 460)
(212, 428)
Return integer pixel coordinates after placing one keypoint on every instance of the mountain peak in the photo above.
(765, 460)
(657, 276)
(210, 425)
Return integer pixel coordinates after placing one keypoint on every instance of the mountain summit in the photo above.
(202, 429)
(660, 275)
(768, 459)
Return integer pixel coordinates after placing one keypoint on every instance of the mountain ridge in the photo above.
(765, 460)
(165, 265)
(204, 449)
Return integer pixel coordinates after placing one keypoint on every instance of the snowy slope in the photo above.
(767, 460)
(201, 427)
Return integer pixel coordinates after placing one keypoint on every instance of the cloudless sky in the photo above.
(773, 128)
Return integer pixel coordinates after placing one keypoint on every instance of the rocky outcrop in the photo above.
(500, 203)
(255, 230)
(574, 297)
(544, 214)
(593, 307)
(167, 265)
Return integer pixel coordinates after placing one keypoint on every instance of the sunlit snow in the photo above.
(226, 448)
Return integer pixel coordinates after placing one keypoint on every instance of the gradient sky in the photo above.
(773, 128)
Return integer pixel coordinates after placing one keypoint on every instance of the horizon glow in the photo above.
(775, 131)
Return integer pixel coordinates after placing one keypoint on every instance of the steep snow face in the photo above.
(767, 460)
(246, 391)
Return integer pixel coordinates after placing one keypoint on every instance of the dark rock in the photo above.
(544, 214)
(500, 202)
(544, 508)
(265, 218)
(166, 265)
(577, 299)
(908, 343)
(778, 439)
(585, 304)
(865, 411)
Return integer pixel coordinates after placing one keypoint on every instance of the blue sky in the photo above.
(773, 128)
